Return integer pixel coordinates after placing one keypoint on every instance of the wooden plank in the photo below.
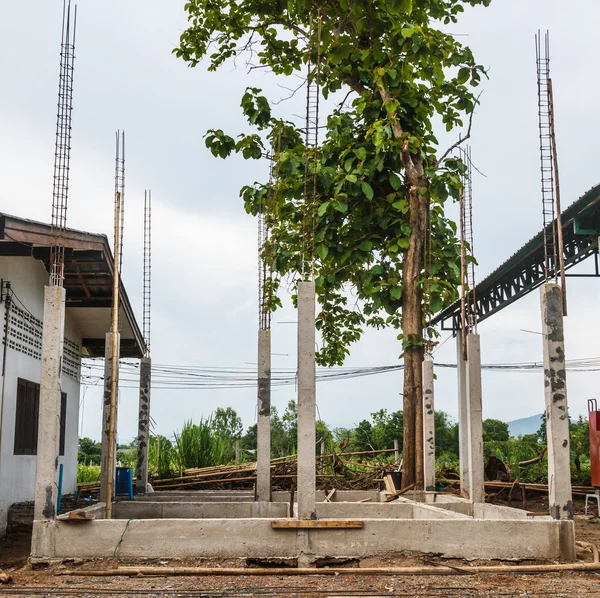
(317, 524)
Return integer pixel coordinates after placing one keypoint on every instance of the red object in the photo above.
(594, 416)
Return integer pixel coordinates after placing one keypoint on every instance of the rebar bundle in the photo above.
(147, 300)
(551, 209)
(311, 146)
(468, 298)
(62, 152)
(120, 183)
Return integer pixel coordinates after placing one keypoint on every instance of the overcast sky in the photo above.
(204, 245)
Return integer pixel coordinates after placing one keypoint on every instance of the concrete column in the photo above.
(428, 426)
(475, 422)
(263, 431)
(463, 428)
(557, 414)
(143, 438)
(49, 404)
(105, 467)
(46, 475)
(307, 433)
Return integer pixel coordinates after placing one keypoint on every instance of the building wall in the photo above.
(28, 278)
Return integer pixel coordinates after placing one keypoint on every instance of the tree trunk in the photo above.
(412, 329)
(412, 307)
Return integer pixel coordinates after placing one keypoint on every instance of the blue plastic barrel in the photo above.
(124, 482)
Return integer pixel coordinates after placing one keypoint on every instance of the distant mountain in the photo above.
(525, 425)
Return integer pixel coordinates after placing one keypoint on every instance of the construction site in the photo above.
(352, 233)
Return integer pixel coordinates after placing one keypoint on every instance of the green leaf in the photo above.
(361, 153)
(407, 32)
(367, 190)
(341, 206)
(404, 243)
(400, 204)
(395, 182)
(436, 304)
(366, 246)
(396, 292)
(323, 251)
(351, 178)
(323, 208)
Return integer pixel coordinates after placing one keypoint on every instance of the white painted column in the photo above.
(555, 394)
(463, 427)
(143, 438)
(263, 431)
(475, 422)
(428, 425)
(105, 467)
(306, 401)
(46, 475)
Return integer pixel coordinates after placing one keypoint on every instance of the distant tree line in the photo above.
(212, 441)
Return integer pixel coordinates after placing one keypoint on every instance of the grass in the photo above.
(87, 473)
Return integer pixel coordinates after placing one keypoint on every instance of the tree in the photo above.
(387, 427)
(446, 434)
(494, 429)
(227, 424)
(381, 183)
(90, 452)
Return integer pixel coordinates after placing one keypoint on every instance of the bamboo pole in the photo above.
(442, 569)
(115, 360)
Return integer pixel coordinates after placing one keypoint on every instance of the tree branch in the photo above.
(462, 139)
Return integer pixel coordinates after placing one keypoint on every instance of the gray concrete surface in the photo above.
(46, 475)
(141, 479)
(107, 469)
(555, 394)
(254, 538)
(198, 510)
(428, 425)
(306, 401)
(463, 427)
(474, 419)
(263, 432)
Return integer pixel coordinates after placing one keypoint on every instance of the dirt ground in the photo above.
(14, 551)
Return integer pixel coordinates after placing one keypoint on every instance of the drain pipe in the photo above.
(3, 286)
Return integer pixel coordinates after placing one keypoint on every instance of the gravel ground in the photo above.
(14, 551)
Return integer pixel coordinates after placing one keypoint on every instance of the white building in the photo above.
(24, 271)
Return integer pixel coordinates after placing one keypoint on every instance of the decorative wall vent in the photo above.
(25, 336)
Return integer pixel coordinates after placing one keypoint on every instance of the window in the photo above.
(26, 420)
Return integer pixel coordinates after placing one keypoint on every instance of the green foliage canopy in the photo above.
(402, 73)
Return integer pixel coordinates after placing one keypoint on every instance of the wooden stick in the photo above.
(423, 570)
(329, 496)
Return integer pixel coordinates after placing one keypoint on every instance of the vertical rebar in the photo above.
(120, 185)
(62, 152)
(546, 156)
(560, 248)
(468, 298)
(147, 299)
(311, 153)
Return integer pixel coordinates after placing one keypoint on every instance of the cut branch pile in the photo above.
(337, 471)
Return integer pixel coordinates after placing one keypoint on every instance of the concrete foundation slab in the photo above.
(254, 538)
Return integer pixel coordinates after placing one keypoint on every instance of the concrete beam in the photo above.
(555, 394)
(306, 401)
(46, 475)
(451, 537)
(107, 469)
(428, 425)
(263, 432)
(475, 422)
(463, 427)
(143, 438)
